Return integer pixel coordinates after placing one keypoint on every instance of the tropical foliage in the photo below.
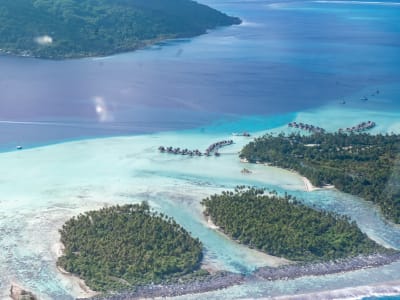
(282, 226)
(359, 164)
(121, 246)
(80, 28)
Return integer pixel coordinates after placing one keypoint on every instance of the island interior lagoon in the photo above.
(89, 132)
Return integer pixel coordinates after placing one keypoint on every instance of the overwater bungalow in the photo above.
(307, 127)
(360, 127)
(213, 148)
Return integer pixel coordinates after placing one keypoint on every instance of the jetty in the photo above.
(244, 133)
(212, 149)
(308, 127)
(177, 150)
(363, 126)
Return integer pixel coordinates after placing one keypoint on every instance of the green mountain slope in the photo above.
(79, 28)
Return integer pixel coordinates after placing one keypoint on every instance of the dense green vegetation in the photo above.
(284, 227)
(121, 246)
(99, 27)
(360, 164)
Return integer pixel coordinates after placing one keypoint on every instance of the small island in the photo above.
(18, 293)
(121, 247)
(62, 29)
(360, 164)
(130, 252)
(282, 226)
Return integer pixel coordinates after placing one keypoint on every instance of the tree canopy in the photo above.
(282, 226)
(78, 28)
(122, 246)
(364, 165)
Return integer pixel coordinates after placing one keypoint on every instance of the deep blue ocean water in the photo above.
(286, 57)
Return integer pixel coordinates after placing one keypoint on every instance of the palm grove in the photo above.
(359, 164)
(282, 226)
(122, 246)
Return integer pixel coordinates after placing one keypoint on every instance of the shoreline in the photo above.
(274, 261)
(80, 282)
(18, 292)
(218, 281)
(141, 45)
(308, 186)
(224, 280)
(174, 186)
(97, 138)
(58, 249)
(322, 268)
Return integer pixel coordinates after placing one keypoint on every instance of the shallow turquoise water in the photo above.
(58, 181)
(288, 61)
(383, 298)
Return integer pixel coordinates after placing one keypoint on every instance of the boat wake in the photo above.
(34, 123)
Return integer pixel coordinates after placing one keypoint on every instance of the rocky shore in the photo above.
(325, 268)
(223, 280)
(212, 282)
(18, 293)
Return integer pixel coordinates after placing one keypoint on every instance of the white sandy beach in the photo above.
(309, 187)
(83, 290)
(269, 260)
(78, 176)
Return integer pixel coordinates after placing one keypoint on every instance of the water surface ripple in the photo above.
(287, 61)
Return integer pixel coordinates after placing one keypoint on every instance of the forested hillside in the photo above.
(78, 28)
(360, 164)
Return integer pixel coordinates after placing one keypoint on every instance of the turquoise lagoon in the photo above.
(42, 187)
(91, 128)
